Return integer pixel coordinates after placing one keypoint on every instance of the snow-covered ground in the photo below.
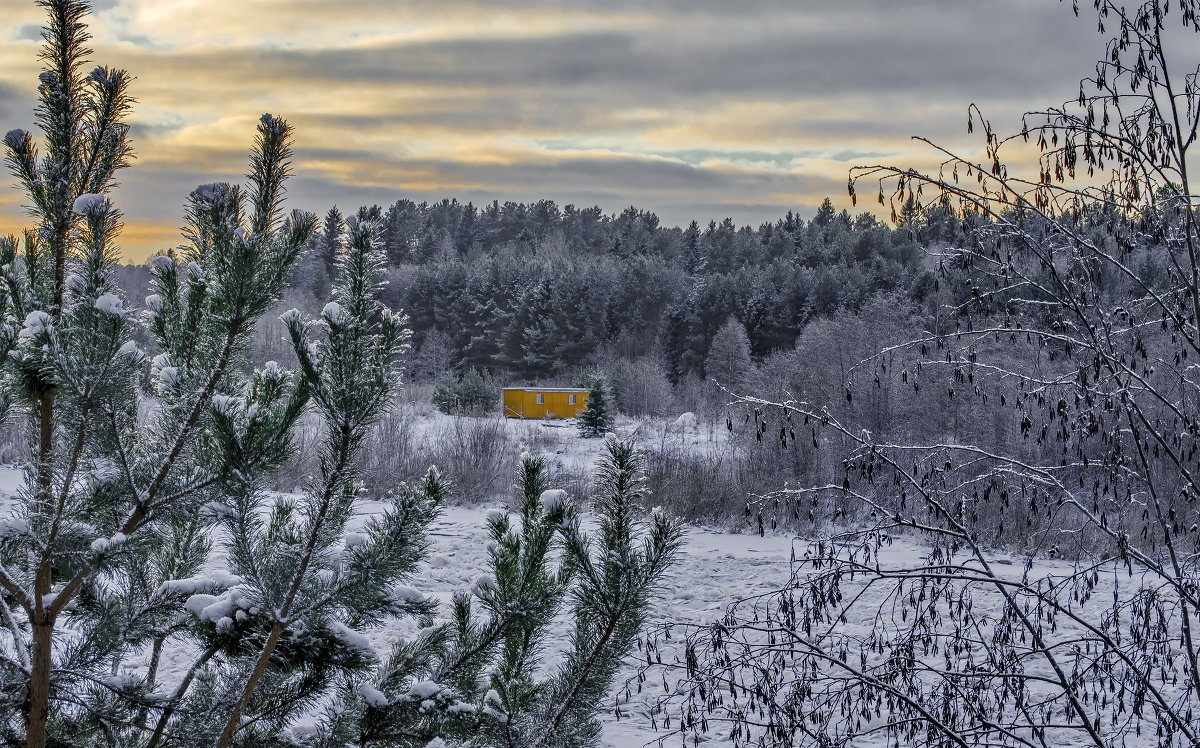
(715, 568)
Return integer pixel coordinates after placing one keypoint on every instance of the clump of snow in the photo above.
(37, 322)
(154, 303)
(199, 603)
(553, 499)
(88, 203)
(240, 233)
(273, 371)
(168, 378)
(436, 743)
(110, 304)
(195, 270)
(99, 75)
(161, 262)
(216, 579)
(75, 282)
(610, 437)
(496, 515)
(100, 545)
(354, 540)
(351, 638)
(425, 689)
(407, 594)
(129, 348)
(686, 421)
(227, 405)
(220, 610)
(209, 192)
(273, 123)
(483, 587)
(372, 695)
(332, 312)
(14, 138)
(290, 316)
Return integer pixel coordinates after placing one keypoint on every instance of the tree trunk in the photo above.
(260, 667)
(39, 683)
(41, 649)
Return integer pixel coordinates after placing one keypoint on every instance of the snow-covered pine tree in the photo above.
(479, 679)
(288, 626)
(597, 418)
(329, 239)
(611, 596)
(113, 492)
(434, 686)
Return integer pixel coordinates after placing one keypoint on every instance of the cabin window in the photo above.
(541, 399)
(571, 400)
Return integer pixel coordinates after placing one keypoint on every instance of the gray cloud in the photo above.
(778, 62)
(16, 107)
(609, 102)
(30, 32)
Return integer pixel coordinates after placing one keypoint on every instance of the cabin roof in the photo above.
(546, 389)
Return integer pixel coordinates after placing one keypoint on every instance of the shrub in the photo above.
(473, 393)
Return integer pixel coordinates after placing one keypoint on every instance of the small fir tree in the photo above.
(329, 240)
(597, 418)
(476, 680)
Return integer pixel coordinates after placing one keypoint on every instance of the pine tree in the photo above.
(611, 597)
(694, 252)
(329, 240)
(597, 418)
(113, 495)
(476, 680)
(312, 585)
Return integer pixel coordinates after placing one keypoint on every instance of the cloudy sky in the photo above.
(695, 109)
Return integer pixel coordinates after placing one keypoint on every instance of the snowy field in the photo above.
(716, 569)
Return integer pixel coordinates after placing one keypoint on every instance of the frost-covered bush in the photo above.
(474, 393)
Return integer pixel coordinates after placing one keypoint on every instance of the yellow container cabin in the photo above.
(544, 402)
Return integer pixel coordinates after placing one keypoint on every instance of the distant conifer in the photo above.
(597, 419)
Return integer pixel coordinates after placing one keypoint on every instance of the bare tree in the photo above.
(915, 626)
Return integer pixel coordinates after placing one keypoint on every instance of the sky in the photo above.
(694, 109)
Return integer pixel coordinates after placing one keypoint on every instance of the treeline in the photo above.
(535, 291)
(539, 293)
